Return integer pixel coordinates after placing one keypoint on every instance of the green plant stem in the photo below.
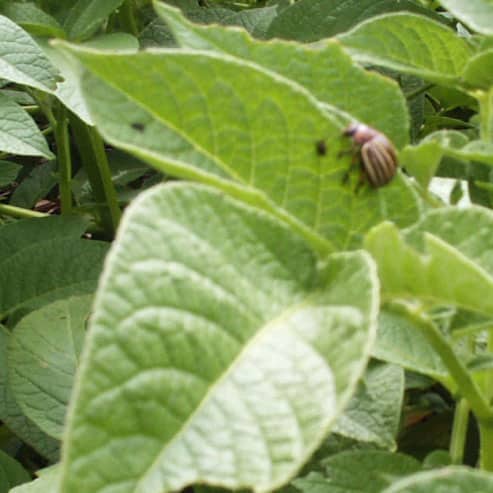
(486, 427)
(467, 387)
(486, 115)
(127, 18)
(459, 431)
(64, 160)
(486, 445)
(94, 159)
(13, 211)
(489, 378)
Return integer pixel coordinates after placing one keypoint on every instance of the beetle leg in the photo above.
(361, 181)
(354, 161)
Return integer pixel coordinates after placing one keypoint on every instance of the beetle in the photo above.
(378, 154)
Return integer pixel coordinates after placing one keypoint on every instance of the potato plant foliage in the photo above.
(208, 284)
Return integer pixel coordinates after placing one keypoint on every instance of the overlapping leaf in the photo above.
(358, 472)
(400, 342)
(19, 134)
(446, 258)
(456, 479)
(13, 417)
(44, 267)
(11, 472)
(46, 483)
(374, 412)
(219, 348)
(412, 44)
(86, 16)
(478, 73)
(311, 20)
(31, 18)
(477, 14)
(43, 357)
(22, 61)
(423, 159)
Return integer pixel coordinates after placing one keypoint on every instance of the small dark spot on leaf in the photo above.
(321, 147)
(138, 126)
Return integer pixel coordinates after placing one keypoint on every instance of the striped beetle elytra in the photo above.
(378, 154)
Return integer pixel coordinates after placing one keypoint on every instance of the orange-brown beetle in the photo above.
(378, 154)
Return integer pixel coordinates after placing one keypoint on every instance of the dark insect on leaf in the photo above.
(138, 126)
(321, 147)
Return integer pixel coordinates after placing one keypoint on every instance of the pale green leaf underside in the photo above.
(446, 258)
(19, 134)
(218, 349)
(477, 14)
(326, 71)
(456, 479)
(43, 357)
(412, 44)
(213, 118)
(21, 60)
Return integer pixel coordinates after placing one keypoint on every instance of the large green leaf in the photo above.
(43, 356)
(374, 412)
(359, 471)
(446, 480)
(21, 59)
(219, 348)
(311, 20)
(446, 258)
(86, 16)
(265, 137)
(412, 44)
(477, 14)
(326, 71)
(19, 134)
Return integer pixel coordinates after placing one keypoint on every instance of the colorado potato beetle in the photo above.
(378, 154)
